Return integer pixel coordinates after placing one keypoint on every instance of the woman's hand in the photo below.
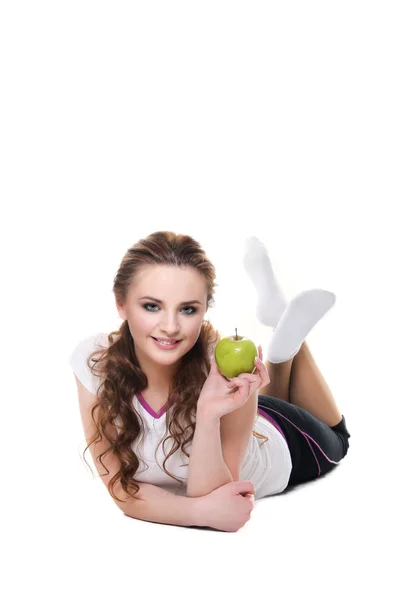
(227, 508)
(219, 396)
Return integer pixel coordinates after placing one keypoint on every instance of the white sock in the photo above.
(271, 300)
(300, 316)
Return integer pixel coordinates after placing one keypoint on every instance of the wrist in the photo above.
(199, 516)
(205, 414)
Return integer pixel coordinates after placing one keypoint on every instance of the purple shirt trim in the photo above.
(267, 416)
(148, 408)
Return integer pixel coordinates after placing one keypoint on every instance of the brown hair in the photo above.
(122, 376)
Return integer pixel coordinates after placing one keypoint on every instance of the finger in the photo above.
(262, 372)
(255, 386)
(232, 383)
(241, 393)
(255, 379)
(249, 376)
(251, 379)
(237, 382)
(261, 368)
(249, 384)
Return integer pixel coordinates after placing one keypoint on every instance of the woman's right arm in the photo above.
(151, 503)
(156, 504)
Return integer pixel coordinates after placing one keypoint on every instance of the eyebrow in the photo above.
(161, 302)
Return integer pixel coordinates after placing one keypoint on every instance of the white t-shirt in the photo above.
(268, 465)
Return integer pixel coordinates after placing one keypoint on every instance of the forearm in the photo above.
(207, 468)
(156, 504)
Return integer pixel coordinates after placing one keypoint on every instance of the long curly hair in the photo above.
(114, 415)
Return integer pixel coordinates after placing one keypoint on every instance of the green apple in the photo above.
(235, 355)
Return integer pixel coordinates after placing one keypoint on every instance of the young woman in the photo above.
(150, 393)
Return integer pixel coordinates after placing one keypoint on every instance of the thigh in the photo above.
(315, 447)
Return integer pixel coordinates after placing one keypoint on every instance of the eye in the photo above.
(192, 308)
(146, 305)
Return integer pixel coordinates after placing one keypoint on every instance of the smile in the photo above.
(166, 345)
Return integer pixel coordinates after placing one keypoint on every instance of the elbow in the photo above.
(193, 494)
(198, 492)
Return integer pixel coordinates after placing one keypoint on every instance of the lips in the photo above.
(166, 347)
(165, 340)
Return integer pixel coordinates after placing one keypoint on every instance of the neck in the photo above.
(158, 387)
(159, 377)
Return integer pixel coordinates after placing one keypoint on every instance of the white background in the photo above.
(220, 120)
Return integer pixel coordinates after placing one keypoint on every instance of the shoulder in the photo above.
(89, 344)
(79, 355)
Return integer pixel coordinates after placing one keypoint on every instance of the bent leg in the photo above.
(279, 385)
(309, 390)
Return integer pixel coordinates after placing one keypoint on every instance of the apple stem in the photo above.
(236, 335)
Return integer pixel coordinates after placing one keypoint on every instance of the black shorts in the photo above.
(314, 450)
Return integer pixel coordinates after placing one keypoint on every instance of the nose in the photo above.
(170, 325)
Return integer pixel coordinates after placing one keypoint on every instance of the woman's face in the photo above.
(176, 311)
